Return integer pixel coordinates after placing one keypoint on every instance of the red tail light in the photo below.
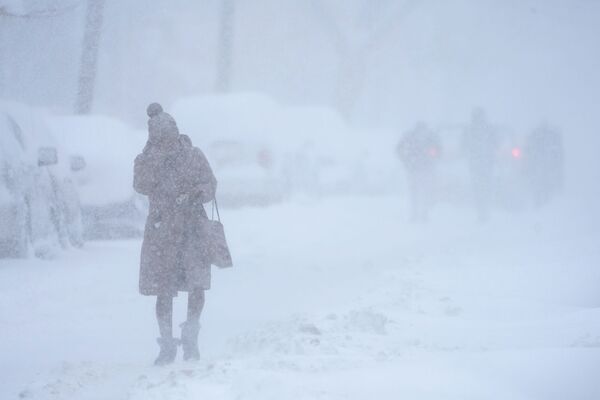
(433, 152)
(264, 158)
(516, 152)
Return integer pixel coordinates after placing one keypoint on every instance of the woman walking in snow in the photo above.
(177, 179)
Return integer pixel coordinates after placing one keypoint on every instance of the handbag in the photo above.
(218, 249)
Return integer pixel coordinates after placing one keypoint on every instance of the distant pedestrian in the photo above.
(419, 150)
(480, 146)
(544, 158)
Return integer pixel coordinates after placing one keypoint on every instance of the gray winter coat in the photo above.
(177, 181)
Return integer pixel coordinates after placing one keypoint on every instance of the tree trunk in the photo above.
(351, 78)
(225, 46)
(89, 56)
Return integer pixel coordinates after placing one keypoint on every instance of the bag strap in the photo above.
(215, 206)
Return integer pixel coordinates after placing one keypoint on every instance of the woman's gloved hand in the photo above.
(182, 199)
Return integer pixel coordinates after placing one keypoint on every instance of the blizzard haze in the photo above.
(409, 191)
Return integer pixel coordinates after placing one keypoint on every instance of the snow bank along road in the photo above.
(338, 299)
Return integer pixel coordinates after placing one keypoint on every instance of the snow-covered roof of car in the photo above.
(254, 117)
(109, 147)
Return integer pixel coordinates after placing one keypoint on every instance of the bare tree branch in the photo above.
(353, 57)
(340, 42)
(40, 14)
(393, 22)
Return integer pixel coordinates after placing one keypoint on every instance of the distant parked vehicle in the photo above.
(39, 206)
(246, 173)
(509, 190)
(263, 151)
(237, 135)
(511, 193)
(103, 151)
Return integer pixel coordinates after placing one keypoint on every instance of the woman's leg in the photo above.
(191, 327)
(195, 304)
(164, 315)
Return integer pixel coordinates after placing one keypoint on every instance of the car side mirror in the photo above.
(77, 163)
(47, 156)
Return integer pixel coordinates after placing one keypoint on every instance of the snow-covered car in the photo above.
(107, 147)
(39, 205)
(236, 133)
(245, 173)
(512, 193)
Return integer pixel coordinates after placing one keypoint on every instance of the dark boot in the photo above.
(168, 351)
(189, 340)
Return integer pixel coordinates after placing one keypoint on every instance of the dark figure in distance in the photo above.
(480, 146)
(419, 151)
(543, 158)
(177, 179)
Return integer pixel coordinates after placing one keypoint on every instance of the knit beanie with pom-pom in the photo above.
(161, 126)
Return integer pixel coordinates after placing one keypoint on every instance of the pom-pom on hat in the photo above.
(154, 109)
(161, 125)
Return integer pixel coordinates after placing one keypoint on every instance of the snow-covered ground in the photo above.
(331, 299)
